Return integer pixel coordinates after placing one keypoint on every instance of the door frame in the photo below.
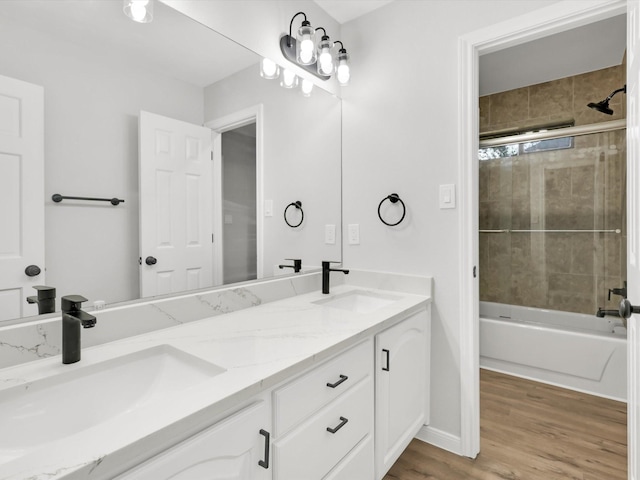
(536, 24)
(218, 126)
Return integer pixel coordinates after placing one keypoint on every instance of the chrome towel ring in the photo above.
(298, 205)
(393, 198)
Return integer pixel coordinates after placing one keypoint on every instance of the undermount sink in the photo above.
(358, 301)
(69, 403)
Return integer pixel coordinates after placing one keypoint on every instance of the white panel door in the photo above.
(175, 205)
(633, 233)
(22, 187)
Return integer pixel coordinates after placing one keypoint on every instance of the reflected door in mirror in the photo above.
(22, 187)
(175, 205)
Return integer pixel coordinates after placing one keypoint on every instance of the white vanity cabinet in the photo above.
(402, 382)
(324, 420)
(236, 448)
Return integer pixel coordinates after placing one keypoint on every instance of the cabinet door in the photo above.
(233, 449)
(401, 388)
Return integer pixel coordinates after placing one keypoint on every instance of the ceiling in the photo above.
(584, 49)
(345, 10)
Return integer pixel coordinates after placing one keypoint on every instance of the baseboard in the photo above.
(440, 439)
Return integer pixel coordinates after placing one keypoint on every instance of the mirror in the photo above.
(99, 70)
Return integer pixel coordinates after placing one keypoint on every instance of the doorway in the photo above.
(544, 22)
(239, 239)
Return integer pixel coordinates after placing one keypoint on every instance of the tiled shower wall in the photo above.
(581, 188)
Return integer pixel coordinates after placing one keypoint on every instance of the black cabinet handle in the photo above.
(343, 422)
(150, 260)
(386, 369)
(265, 463)
(334, 385)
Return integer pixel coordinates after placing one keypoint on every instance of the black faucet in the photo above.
(601, 313)
(297, 264)
(72, 319)
(46, 299)
(326, 270)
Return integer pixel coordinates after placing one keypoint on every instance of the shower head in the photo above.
(603, 106)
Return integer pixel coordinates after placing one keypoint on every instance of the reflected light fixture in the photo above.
(288, 79)
(325, 57)
(140, 11)
(269, 69)
(343, 70)
(306, 87)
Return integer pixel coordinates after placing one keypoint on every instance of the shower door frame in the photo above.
(546, 21)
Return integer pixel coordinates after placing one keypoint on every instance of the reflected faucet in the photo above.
(297, 264)
(326, 270)
(72, 319)
(46, 299)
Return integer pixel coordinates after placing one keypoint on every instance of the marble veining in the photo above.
(30, 341)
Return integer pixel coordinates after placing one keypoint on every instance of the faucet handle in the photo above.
(71, 303)
(45, 292)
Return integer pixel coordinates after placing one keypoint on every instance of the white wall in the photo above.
(400, 117)
(302, 161)
(91, 149)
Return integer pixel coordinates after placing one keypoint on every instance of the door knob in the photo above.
(626, 309)
(32, 271)
(150, 260)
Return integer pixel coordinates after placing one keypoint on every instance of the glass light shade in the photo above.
(269, 69)
(306, 44)
(288, 79)
(325, 58)
(343, 71)
(140, 11)
(306, 87)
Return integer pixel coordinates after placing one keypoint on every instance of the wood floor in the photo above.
(530, 431)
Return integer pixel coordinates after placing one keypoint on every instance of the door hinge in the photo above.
(475, 271)
(212, 241)
(212, 155)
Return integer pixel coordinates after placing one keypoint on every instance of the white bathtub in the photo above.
(571, 350)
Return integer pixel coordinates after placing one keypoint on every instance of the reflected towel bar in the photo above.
(56, 197)
(617, 230)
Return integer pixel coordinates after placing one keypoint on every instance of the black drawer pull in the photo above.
(334, 385)
(265, 463)
(343, 422)
(386, 369)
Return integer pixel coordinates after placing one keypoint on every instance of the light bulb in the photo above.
(343, 74)
(140, 11)
(269, 69)
(306, 87)
(289, 79)
(306, 50)
(325, 63)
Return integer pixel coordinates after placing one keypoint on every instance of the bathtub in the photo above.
(570, 350)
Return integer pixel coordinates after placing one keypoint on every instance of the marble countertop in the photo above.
(258, 347)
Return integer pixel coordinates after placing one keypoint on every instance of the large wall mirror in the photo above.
(99, 70)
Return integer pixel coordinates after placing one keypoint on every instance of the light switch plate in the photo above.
(448, 196)
(330, 234)
(354, 234)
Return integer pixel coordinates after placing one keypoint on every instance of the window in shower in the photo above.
(553, 223)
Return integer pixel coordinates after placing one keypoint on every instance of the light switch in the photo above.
(330, 234)
(448, 196)
(268, 208)
(354, 234)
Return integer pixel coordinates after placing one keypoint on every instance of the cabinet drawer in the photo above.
(306, 395)
(310, 451)
(358, 465)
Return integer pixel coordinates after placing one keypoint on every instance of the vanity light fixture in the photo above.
(140, 11)
(318, 58)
